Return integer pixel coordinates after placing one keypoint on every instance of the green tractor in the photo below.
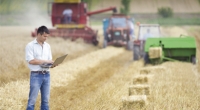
(157, 49)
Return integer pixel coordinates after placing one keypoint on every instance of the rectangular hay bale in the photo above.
(139, 89)
(145, 71)
(151, 70)
(141, 79)
(134, 102)
(155, 52)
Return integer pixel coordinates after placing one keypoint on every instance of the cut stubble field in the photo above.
(92, 78)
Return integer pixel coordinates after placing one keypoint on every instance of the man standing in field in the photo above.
(39, 52)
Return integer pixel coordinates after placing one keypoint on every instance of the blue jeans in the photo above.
(67, 19)
(39, 82)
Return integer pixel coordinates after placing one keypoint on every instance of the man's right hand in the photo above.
(49, 61)
(38, 62)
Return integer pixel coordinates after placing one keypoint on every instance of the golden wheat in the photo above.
(60, 76)
(176, 88)
(100, 79)
(12, 51)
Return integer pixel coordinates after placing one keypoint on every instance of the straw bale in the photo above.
(139, 89)
(155, 52)
(153, 69)
(134, 102)
(144, 71)
(141, 79)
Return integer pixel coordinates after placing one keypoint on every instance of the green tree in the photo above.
(165, 12)
(126, 7)
(89, 3)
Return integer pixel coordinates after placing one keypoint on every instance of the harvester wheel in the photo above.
(136, 52)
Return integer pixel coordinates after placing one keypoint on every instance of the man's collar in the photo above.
(36, 42)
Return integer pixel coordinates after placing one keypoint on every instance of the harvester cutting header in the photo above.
(75, 25)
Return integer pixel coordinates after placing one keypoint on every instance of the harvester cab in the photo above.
(77, 25)
(117, 31)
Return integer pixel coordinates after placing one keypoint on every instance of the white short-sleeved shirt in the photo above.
(35, 51)
(67, 12)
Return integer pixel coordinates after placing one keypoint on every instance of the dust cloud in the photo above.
(36, 17)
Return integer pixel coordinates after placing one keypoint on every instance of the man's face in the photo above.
(42, 37)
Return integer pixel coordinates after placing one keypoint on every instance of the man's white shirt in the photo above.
(67, 12)
(35, 51)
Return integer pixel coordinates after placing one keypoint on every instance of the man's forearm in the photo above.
(38, 62)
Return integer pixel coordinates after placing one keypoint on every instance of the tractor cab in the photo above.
(145, 31)
(152, 30)
(118, 22)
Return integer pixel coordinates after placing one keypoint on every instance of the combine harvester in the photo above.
(159, 49)
(79, 27)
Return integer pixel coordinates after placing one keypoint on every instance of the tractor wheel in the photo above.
(136, 52)
(105, 43)
(146, 58)
(193, 60)
(129, 45)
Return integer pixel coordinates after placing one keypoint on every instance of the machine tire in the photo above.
(146, 58)
(105, 43)
(129, 45)
(136, 52)
(95, 42)
(193, 60)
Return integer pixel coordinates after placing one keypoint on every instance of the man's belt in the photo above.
(40, 72)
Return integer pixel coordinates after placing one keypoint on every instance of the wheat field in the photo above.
(12, 48)
(93, 78)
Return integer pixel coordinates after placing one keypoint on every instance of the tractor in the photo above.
(157, 48)
(117, 31)
(78, 27)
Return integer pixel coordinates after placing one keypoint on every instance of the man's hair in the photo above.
(42, 29)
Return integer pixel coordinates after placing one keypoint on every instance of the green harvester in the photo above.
(158, 50)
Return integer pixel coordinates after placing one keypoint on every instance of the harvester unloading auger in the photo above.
(158, 48)
(78, 27)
